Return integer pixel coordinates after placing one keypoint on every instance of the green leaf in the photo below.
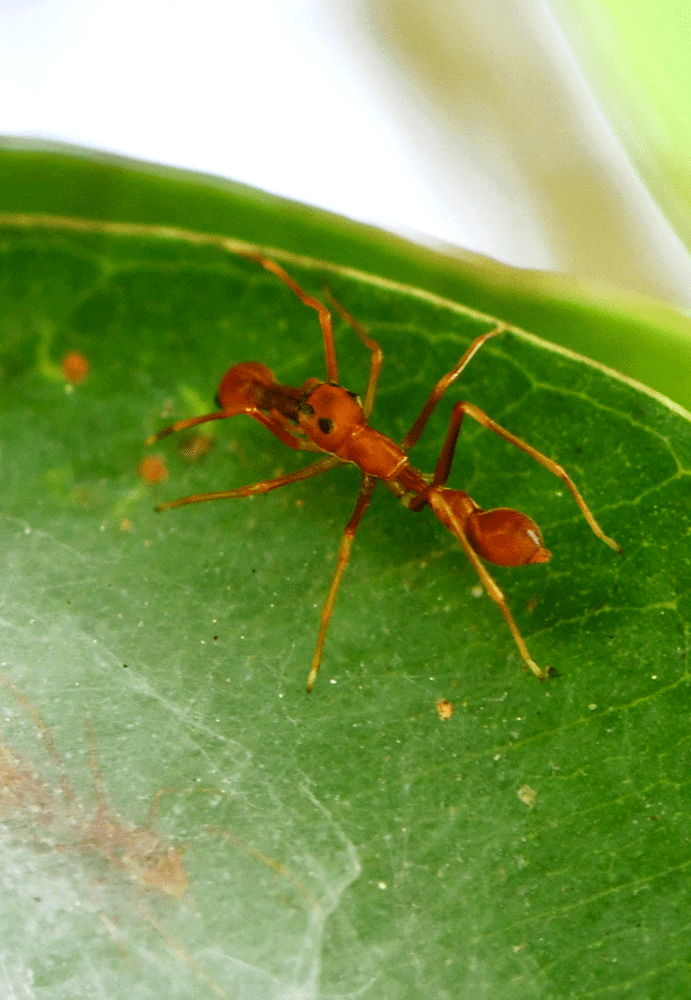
(349, 842)
(641, 337)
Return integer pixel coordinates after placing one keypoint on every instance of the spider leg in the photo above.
(265, 486)
(363, 502)
(443, 467)
(493, 590)
(443, 384)
(308, 300)
(370, 344)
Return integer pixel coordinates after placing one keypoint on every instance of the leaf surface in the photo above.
(349, 842)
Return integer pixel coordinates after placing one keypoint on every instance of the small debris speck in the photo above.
(527, 795)
(444, 709)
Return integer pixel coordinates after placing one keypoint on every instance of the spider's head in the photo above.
(330, 415)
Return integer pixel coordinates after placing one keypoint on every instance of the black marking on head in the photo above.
(305, 408)
(325, 425)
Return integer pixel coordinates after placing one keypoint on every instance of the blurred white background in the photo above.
(461, 121)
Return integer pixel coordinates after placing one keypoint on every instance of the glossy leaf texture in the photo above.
(352, 842)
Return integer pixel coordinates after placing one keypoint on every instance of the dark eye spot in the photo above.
(325, 425)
